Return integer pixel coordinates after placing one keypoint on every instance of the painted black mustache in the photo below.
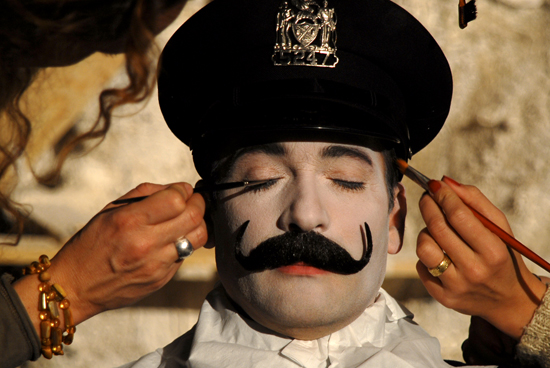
(310, 248)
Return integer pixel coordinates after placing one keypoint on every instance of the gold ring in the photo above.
(441, 267)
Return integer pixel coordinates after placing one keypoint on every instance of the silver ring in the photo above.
(183, 247)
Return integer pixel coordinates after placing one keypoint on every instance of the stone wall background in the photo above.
(496, 137)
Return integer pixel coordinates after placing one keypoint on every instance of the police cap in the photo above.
(243, 72)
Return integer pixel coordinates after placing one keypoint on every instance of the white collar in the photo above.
(220, 323)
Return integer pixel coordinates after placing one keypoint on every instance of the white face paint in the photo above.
(332, 189)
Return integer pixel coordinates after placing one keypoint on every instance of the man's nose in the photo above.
(305, 209)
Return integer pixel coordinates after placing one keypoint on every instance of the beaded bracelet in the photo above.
(51, 335)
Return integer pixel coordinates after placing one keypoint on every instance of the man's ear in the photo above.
(397, 220)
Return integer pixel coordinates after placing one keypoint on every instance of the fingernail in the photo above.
(452, 181)
(434, 186)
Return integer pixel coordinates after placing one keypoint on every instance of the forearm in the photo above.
(513, 315)
(123, 254)
(19, 341)
(488, 345)
(534, 345)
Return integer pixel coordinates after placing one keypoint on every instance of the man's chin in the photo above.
(300, 305)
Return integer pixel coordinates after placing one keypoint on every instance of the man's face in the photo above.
(330, 189)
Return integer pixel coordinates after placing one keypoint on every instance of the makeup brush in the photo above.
(467, 12)
(423, 181)
(206, 188)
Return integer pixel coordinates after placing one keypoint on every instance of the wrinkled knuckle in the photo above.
(119, 221)
(478, 275)
(199, 201)
(445, 197)
(202, 235)
(138, 250)
(497, 257)
(461, 217)
(146, 187)
(177, 201)
(129, 263)
(500, 217)
(421, 251)
(194, 216)
(501, 258)
(474, 191)
(425, 251)
(437, 226)
(143, 248)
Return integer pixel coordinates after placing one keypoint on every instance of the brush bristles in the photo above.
(466, 13)
(402, 165)
(413, 174)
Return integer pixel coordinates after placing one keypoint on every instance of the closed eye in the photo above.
(260, 187)
(349, 185)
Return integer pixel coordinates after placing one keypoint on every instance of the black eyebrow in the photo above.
(335, 151)
(272, 149)
(225, 166)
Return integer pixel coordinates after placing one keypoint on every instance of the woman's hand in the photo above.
(125, 252)
(486, 278)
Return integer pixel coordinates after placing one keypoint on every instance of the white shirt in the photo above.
(383, 336)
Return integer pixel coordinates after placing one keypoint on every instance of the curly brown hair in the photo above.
(81, 27)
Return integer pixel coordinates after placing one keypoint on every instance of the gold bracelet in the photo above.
(51, 335)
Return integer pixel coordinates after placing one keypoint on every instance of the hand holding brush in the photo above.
(483, 276)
